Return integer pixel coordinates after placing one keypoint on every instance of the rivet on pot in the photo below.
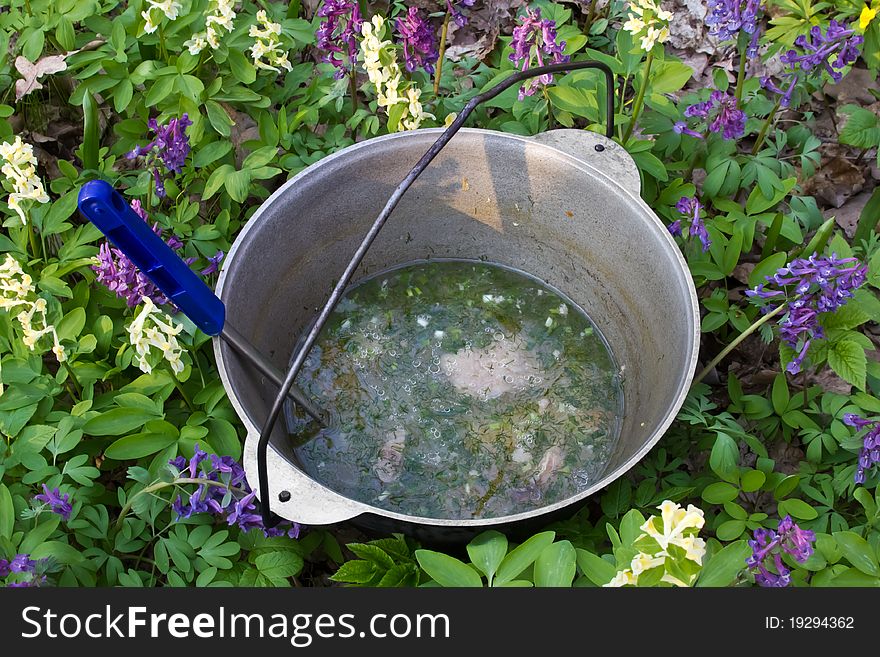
(284, 496)
(600, 148)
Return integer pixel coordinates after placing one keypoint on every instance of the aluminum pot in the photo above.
(563, 206)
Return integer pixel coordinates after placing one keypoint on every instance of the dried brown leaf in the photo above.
(31, 72)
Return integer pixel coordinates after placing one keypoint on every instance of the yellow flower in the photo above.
(648, 22)
(868, 15)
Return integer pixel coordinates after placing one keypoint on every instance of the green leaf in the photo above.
(211, 153)
(752, 480)
(724, 457)
(797, 509)
(61, 552)
(138, 446)
(279, 565)
(766, 267)
(70, 327)
(64, 33)
(723, 567)
(848, 360)
(758, 203)
(159, 90)
(862, 129)
(523, 556)
(237, 185)
(33, 43)
(39, 534)
(780, 395)
(399, 576)
(7, 513)
(596, 569)
(241, 68)
(720, 492)
(117, 421)
(858, 552)
(447, 571)
(723, 177)
(669, 76)
(372, 553)
(356, 572)
(487, 552)
(218, 118)
(868, 219)
(556, 565)
(217, 179)
(730, 530)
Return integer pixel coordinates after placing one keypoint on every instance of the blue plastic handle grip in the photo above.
(105, 207)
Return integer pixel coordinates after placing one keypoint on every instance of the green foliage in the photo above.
(747, 451)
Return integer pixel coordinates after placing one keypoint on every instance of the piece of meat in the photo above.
(387, 468)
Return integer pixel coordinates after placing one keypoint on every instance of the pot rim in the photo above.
(357, 507)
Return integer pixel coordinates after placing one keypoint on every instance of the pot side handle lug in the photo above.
(295, 495)
(597, 151)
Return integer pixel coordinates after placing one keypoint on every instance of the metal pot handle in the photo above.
(299, 356)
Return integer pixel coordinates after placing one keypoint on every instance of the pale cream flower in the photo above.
(20, 169)
(623, 578)
(150, 328)
(642, 562)
(267, 51)
(219, 17)
(196, 44)
(16, 291)
(157, 11)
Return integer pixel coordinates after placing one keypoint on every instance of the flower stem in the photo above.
(27, 7)
(352, 85)
(766, 127)
(159, 485)
(162, 52)
(733, 345)
(693, 164)
(77, 386)
(591, 16)
(741, 77)
(441, 54)
(32, 238)
(640, 99)
(179, 387)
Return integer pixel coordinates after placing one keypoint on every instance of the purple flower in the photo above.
(22, 564)
(337, 34)
(768, 546)
(122, 277)
(535, 38)
(869, 455)
(213, 264)
(720, 113)
(57, 503)
(728, 18)
(170, 147)
(234, 500)
(693, 210)
(810, 287)
(682, 128)
(456, 13)
(419, 44)
(816, 53)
